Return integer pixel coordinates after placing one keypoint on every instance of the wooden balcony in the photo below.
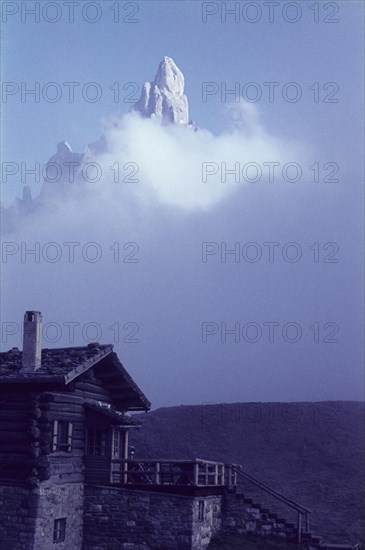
(173, 473)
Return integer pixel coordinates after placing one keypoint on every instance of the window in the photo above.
(59, 530)
(201, 510)
(96, 443)
(116, 446)
(62, 436)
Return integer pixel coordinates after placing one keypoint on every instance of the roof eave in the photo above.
(144, 404)
(84, 367)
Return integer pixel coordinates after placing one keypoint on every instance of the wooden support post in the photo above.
(196, 474)
(125, 445)
(157, 473)
(111, 477)
(307, 522)
(299, 526)
(125, 457)
(231, 477)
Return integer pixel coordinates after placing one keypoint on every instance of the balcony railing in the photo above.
(193, 473)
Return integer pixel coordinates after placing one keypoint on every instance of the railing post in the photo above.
(157, 473)
(231, 476)
(111, 472)
(196, 474)
(125, 472)
(299, 527)
(307, 522)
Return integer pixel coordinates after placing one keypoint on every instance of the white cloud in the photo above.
(171, 159)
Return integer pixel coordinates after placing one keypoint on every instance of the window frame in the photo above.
(62, 436)
(96, 440)
(59, 530)
(118, 442)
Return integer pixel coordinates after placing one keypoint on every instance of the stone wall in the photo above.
(121, 519)
(115, 518)
(18, 510)
(204, 530)
(60, 501)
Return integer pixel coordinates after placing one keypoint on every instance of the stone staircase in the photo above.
(243, 515)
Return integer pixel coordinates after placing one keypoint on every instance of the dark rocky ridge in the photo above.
(311, 452)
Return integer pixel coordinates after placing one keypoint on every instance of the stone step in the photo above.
(280, 520)
(316, 539)
(307, 535)
(306, 538)
(293, 539)
(331, 546)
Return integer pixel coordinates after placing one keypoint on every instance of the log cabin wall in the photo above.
(27, 426)
(26, 435)
(68, 405)
(63, 466)
(90, 386)
(97, 466)
(15, 437)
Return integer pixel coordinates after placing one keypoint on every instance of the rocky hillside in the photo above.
(311, 452)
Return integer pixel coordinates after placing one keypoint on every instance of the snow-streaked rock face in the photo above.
(58, 166)
(169, 77)
(164, 98)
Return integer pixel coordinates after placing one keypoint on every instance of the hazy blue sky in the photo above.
(170, 292)
(106, 52)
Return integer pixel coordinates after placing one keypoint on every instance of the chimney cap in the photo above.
(32, 314)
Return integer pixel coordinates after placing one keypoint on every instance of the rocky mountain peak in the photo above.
(169, 77)
(164, 98)
(64, 148)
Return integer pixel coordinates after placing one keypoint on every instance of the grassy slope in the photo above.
(312, 452)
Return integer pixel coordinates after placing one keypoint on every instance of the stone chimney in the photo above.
(32, 341)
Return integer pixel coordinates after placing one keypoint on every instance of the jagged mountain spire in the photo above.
(164, 98)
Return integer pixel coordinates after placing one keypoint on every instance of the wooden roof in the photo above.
(61, 366)
(116, 417)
